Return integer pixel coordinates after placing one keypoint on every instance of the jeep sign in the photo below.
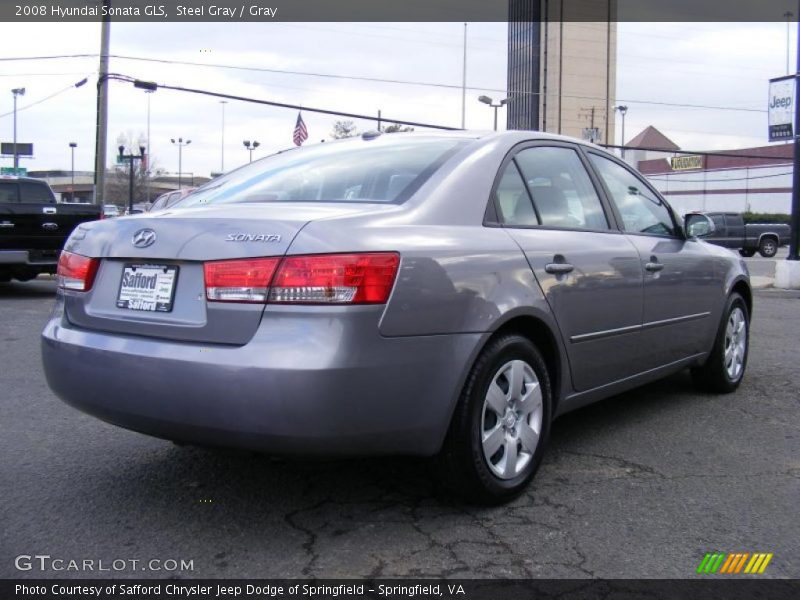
(781, 108)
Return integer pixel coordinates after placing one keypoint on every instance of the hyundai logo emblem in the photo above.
(144, 238)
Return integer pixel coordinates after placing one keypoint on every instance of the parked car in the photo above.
(33, 227)
(110, 210)
(441, 295)
(732, 232)
(169, 199)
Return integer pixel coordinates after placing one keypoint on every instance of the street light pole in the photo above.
(488, 101)
(623, 110)
(222, 144)
(180, 144)
(72, 146)
(131, 158)
(16, 92)
(251, 146)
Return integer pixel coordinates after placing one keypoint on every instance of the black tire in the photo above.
(747, 252)
(768, 247)
(461, 466)
(714, 375)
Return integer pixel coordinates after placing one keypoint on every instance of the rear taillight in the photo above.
(239, 280)
(76, 272)
(317, 279)
(335, 279)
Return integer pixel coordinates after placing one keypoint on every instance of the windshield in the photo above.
(352, 171)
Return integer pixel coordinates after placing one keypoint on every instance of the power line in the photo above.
(393, 81)
(150, 85)
(666, 178)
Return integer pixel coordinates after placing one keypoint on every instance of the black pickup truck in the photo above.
(34, 227)
(731, 231)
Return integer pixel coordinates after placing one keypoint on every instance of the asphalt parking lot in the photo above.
(641, 485)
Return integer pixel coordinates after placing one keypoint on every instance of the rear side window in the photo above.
(641, 210)
(513, 201)
(733, 221)
(9, 192)
(382, 170)
(562, 191)
(35, 193)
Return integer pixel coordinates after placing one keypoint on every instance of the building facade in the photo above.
(562, 68)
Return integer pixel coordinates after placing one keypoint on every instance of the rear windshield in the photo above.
(352, 171)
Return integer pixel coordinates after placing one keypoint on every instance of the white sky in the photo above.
(689, 63)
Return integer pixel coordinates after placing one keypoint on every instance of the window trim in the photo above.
(679, 233)
(492, 214)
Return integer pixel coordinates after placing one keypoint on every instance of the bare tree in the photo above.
(344, 129)
(396, 128)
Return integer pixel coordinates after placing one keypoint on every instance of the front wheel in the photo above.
(724, 369)
(768, 247)
(501, 423)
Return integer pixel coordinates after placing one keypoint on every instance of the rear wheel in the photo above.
(747, 252)
(768, 247)
(501, 423)
(724, 370)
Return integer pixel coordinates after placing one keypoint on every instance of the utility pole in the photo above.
(464, 84)
(101, 128)
(788, 16)
(149, 150)
(795, 221)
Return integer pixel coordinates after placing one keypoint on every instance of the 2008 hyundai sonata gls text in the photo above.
(438, 295)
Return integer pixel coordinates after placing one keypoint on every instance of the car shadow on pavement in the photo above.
(174, 478)
(38, 288)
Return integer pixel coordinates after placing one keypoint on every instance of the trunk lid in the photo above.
(186, 239)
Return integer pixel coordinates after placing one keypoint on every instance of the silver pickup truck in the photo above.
(732, 232)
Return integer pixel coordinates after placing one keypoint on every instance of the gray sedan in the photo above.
(441, 295)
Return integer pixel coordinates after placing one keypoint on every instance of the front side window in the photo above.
(351, 171)
(561, 189)
(641, 210)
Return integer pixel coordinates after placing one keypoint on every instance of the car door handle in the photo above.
(559, 268)
(654, 267)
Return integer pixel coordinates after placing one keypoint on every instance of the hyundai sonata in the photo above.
(441, 295)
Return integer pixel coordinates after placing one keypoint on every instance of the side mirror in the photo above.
(697, 225)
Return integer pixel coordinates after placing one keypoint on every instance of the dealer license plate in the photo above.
(147, 287)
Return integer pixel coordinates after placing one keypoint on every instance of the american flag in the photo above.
(300, 131)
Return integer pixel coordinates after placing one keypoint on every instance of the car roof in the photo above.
(21, 179)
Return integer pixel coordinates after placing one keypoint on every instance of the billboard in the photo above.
(7, 149)
(780, 108)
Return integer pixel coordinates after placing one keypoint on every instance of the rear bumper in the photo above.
(25, 258)
(314, 381)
